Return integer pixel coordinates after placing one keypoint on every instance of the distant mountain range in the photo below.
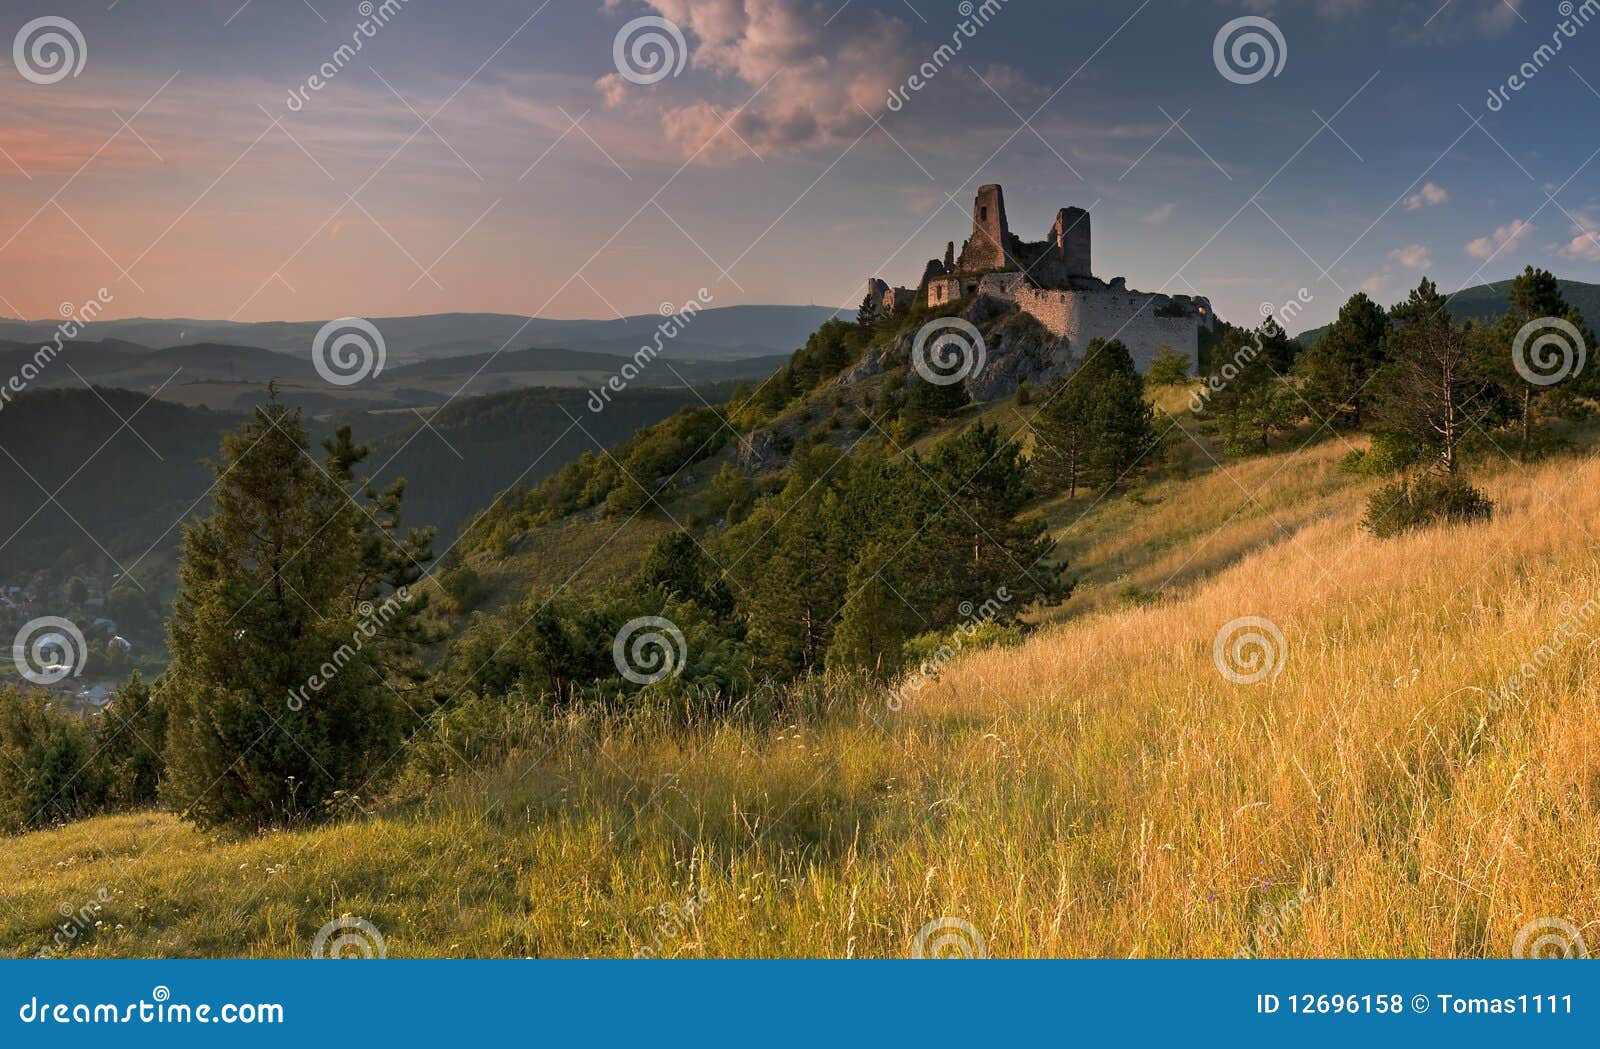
(716, 333)
(1491, 300)
(231, 378)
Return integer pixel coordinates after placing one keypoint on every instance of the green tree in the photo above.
(1435, 389)
(1245, 393)
(1063, 434)
(730, 494)
(293, 631)
(131, 736)
(1339, 369)
(928, 403)
(872, 624)
(1536, 304)
(1094, 425)
(51, 772)
(969, 539)
(679, 566)
(1170, 368)
(1123, 425)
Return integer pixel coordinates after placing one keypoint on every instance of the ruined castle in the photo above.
(1052, 280)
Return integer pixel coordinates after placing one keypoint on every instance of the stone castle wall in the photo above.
(1082, 316)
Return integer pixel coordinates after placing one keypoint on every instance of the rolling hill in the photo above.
(1100, 790)
(66, 459)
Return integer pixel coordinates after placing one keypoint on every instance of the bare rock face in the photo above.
(1019, 349)
(759, 451)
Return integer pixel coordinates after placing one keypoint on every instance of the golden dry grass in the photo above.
(1101, 790)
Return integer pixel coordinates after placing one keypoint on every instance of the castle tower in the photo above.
(987, 250)
(1070, 235)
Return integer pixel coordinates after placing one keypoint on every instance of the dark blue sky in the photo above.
(549, 183)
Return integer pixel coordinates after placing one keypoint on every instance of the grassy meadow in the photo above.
(1098, 790)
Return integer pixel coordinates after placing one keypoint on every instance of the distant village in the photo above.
(109, 657)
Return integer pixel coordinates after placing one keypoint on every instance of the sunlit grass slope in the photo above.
(1102, 789)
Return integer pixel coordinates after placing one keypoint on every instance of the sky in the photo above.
(526, 157)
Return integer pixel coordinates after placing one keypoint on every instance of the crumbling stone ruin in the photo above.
(1052, 280)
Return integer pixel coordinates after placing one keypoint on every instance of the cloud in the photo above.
(1585, 243)
(805, 78)
(1375, 284)
(1009, 82)
(1159, 215)
(1413, 257)
(1506, 238)
(1428, 196)
(1457, 20)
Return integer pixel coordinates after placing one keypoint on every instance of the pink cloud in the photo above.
(803, 76)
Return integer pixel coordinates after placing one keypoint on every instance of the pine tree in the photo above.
(1093, 425)
(872, 625)
(1123, 427)
(131, 735)
(1436, 389)
(1246, 394)
(1063, 435)
(680, 568)
(1339, 369)
(1536, 299)
(292, 634)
